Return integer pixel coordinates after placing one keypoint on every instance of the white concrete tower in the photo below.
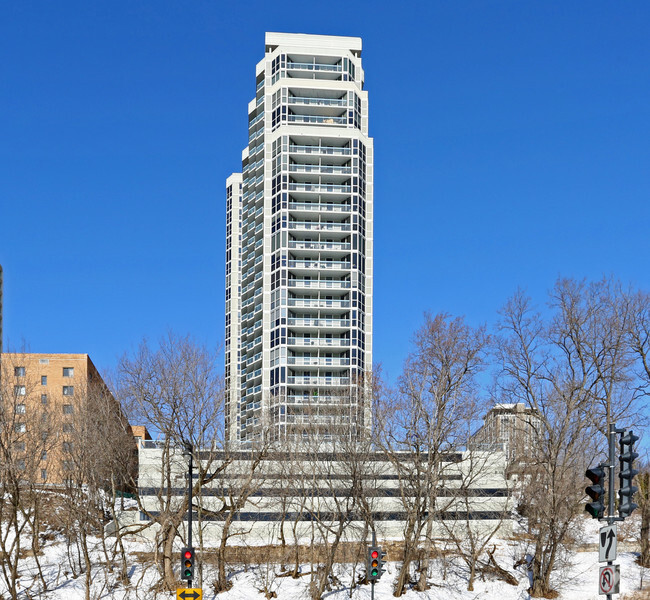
(299, 285)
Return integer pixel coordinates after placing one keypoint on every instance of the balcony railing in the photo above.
(303, 322)
(317, 303)
(318, 285)
(320, 187)
(318, 101)
(319, 264)
(317, 119)
(320, 245)
(319, 342)
(311, 361)
(335, 150)
(314, 226)
(314, 67)
(307, 380)
(321, 169)
(342, 208)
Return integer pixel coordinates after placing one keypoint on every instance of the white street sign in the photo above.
(609, 579)
(607, 543)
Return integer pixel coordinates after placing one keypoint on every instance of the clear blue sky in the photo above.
(512, 145)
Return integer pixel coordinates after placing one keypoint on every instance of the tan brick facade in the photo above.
(55, 406)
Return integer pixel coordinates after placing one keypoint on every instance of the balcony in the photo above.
(298, 66)
(309, 322)
(341, 246)
(334, 150)
(320, 264)
(316, 226)
(320, 188)
(319, 342)
(318, 303)
(317, 119)
(315, 207)
(316, 284)
(318, 101)
(313, 361)
(320, 169)
(309, 380)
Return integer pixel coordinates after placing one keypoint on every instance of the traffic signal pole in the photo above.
(611, 497)
(189, 448)
(372, 583)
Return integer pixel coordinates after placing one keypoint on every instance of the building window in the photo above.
(68, 390)
(44, 455)
(67, 409)
(43, 379)
(43, 474)
(20, 409)
(68, 428)
(19, 371)
(43, 398)
(68, 371)
(67, 447)
(19, 390)
(19, 447)
(20, 464)
(67, 465)
(20, 428)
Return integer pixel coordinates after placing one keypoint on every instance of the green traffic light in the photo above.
(188, 573)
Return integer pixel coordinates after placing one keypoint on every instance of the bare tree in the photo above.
(27, 434)
(176, 391)
(575, 373)
(419, 425)
(477, 472)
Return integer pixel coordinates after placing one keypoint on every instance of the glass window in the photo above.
(67, 465)
(44, 455)
(43, 379)
(68, 428)
(19, 447)
(43, 474)
(20, 428)
(68, 390)
(19, 371)
(43, 398)
(68, 371)
(67, 409)
(20, 464)
(20, 409)
(19, 390)
(67, 447)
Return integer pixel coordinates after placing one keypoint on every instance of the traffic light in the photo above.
(596, 492)
(373, 572)
(375, 563)
(626, 474)
(381, 562)
(187, 563)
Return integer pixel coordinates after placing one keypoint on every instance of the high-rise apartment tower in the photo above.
(299, 247)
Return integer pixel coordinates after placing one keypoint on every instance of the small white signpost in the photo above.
(607, 543)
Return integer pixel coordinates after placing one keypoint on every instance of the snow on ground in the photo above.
(448, 580)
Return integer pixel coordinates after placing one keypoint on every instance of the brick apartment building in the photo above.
(59, 422)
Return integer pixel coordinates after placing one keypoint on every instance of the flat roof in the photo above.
(306, 40)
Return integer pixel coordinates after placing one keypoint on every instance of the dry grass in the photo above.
(637, 595)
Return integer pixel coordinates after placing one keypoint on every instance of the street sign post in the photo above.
(607, 543)
(609, 578)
